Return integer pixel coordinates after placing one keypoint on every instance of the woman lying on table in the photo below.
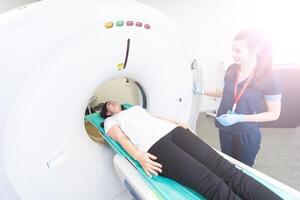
(169, 148)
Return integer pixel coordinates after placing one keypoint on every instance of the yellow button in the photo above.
(109, 25)
(120, 66)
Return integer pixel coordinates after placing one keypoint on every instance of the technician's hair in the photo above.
(254, 38)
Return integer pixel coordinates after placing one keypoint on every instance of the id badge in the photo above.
(232, 111)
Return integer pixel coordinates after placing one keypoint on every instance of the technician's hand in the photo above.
(150, 166)
(230, 119)
(197, 88)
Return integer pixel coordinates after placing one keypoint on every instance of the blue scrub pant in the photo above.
(241, 146)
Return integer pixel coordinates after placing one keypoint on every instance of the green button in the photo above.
(119, 23)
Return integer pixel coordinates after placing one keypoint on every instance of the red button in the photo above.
(147, 26)
(139, 24)
(129, 23)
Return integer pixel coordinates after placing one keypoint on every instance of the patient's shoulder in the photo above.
(108, 123)
(135, 107)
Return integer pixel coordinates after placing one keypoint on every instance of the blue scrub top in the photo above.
(251, 102)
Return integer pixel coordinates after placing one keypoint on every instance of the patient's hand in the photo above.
(150, 166)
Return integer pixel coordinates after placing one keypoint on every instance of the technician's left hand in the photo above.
(230, 119)
(197, 88)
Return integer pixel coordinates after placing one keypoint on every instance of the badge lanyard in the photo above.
(237, 96)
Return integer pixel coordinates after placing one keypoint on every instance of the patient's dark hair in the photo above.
(104, 114)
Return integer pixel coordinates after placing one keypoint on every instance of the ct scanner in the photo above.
(54, 54)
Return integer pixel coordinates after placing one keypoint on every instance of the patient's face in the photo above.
(113, 107)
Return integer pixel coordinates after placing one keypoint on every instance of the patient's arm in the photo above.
(184, 125)
(144, 158)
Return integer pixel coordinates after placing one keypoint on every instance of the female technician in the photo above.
(251, 94)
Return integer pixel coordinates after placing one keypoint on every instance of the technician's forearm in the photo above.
(262, 117)
(214, 93)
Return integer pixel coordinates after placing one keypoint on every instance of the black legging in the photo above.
(191, 162)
